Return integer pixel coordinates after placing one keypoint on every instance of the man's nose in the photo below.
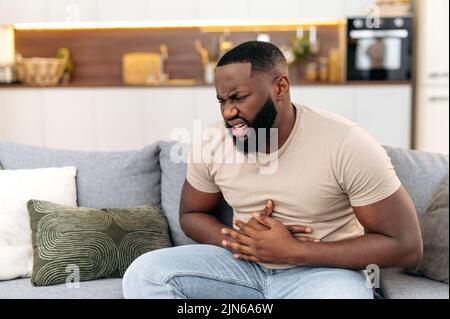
(229, 111)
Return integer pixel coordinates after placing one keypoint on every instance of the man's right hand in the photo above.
(294, 229)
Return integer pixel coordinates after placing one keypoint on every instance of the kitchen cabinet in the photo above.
(386, 113)
(119, 118)
(280, 9)
(323, 9)
(21, 117)
(338, 100)
(433, 124)
(113, 119)
(177, 9)
(68, 119)
(234, 9)
(71, 10)
(168, 111)
(23, 11)
(357, 7)
(432, 65)
(141, 10)
(206, 106)
(119, 10)
(432, 41)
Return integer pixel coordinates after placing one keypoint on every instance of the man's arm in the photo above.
(393, 239)
(196, 219)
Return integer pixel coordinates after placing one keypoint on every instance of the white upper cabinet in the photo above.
(233, 9)
(324, 9)
(433, 43)
(71, 10)
(357, 7)
(173, 9)
(120, 10)
(14, 11)
(267, 9)
(138, 10)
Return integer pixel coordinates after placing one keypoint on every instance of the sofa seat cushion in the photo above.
(396, 284)
(96, 289)
(104, 179)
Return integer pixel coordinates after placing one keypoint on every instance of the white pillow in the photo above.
(16, 188)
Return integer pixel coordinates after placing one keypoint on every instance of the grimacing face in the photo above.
(245, 100)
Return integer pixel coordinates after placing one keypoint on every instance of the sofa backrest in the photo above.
(420, 173)
(104, 179)
(172, 179)
(124, 179)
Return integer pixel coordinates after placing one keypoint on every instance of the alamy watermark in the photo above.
(218, 145)
(73, 13)
(73, 279)
(373, 19)
(372, 274)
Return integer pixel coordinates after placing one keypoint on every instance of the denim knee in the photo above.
(144, 278)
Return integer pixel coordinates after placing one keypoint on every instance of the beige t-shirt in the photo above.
(327, 165)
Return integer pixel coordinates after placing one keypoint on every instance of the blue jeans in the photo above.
(210, 272)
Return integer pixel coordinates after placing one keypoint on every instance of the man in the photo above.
(299, 229)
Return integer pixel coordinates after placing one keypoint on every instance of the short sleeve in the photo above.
(364, 170)
(198, 174)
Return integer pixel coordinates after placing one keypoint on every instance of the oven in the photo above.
(379, 50)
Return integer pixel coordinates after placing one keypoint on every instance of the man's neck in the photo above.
(285, 126)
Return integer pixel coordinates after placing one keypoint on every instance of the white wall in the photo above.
(13, 11)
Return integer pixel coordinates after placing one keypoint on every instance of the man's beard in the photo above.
(259, 130)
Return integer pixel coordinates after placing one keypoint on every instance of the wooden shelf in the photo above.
(97, 53)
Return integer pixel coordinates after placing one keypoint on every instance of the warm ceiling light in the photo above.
(207, 25)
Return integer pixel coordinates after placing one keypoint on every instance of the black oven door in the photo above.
(379, 54)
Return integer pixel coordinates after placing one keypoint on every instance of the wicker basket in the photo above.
(40, 71)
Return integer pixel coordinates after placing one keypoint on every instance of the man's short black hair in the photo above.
(262, 56)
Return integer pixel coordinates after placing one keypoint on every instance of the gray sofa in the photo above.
(120, 179)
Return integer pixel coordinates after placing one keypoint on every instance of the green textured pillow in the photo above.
(91, 243)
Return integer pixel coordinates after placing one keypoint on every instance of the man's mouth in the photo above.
(239, 130)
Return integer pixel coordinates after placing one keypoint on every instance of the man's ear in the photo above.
(282, 87)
